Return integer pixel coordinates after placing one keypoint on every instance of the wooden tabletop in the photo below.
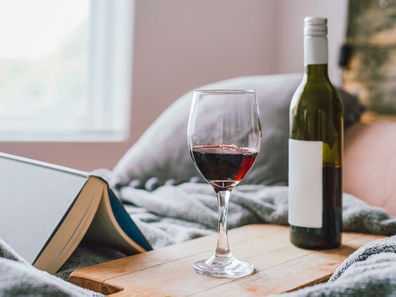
(280, 267)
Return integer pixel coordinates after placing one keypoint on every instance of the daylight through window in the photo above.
(65, 69)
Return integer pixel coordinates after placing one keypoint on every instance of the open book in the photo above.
(46, 210)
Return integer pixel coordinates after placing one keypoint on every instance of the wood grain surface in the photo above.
(280, 267)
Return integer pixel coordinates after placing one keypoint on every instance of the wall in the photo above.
(290, 50)
(180, 45)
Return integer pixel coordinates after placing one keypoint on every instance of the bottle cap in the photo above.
(315, 26)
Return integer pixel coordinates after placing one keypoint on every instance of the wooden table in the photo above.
(280, 267)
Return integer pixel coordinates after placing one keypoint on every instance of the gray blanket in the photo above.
(370, 271)
(172, 214)
(18, 278)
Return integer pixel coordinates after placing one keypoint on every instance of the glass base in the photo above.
(223, 266)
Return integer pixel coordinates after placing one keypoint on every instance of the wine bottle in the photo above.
(315, 149)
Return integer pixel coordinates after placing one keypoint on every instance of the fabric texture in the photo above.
(162, 151)
(18, 278)
(369, 271)
(173, 214)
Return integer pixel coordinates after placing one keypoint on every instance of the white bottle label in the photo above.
(305, 183)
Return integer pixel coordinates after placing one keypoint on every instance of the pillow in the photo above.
(162, 151)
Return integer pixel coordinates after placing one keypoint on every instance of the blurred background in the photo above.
(81, 80)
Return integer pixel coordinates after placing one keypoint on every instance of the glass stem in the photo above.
(223, 248)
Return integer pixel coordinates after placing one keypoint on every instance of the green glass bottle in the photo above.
(315, 149)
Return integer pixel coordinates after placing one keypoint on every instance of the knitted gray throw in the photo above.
(173, 214)
(369, 271)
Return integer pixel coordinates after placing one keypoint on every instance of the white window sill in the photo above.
(87, 136)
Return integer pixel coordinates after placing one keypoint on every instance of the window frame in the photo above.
(109, 82)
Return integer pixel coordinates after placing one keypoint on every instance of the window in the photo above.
(65, 70)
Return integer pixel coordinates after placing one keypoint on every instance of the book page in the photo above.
(106, 231)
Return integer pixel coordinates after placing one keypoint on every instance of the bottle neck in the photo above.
(315, 56)
(316, 71)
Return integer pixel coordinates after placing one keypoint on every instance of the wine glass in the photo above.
(224, 135)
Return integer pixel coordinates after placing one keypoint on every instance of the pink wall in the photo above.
(180, 45)
(290, 51)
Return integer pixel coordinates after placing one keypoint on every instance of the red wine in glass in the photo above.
(223, 166)
(224, 136)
